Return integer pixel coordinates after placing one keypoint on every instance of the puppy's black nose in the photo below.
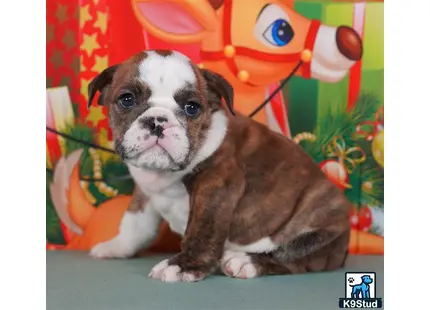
(154, 125)
(157, 130)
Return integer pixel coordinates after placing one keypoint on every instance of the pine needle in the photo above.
(336, 121)
(113, 168)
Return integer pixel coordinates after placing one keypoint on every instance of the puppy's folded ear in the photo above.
(219, 84)
(99, 83)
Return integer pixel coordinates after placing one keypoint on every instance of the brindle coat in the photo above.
(261, 184)
(257, 184)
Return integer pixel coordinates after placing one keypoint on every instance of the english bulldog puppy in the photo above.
(247, 201)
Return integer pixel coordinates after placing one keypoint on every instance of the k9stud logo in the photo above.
(360, 291)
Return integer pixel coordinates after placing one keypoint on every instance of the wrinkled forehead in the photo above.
(166, 73)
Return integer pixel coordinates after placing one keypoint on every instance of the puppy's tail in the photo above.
(69, 200)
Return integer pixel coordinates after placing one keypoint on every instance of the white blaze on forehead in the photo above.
(165, 75)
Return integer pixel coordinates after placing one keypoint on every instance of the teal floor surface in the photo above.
(77, 282)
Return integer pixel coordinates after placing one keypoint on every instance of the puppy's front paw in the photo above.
(114, 248)
(238, 265)
(172, 273)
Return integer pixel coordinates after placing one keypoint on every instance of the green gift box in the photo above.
(326, 118)
(309, 100)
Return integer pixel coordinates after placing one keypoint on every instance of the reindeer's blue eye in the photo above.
(279, 33)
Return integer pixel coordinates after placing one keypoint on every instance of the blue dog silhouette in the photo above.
(362, 289)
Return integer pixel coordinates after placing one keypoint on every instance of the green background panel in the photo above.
(332, 95)
(303, 100)
(301, 94)
(373, 41)
(337, 14)
(373, 81)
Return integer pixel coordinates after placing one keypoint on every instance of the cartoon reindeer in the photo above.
(254, 44)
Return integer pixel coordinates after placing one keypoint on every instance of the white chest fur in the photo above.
(173, 205)
(167, 196)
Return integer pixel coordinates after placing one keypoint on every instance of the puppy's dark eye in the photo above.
(192, 109)
(126, 101)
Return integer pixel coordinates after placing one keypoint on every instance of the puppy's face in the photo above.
(161, 107)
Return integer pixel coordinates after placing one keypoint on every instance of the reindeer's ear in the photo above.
(219, 84)
(99, 83)
(185, 21)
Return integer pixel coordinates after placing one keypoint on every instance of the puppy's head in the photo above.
(162, 108)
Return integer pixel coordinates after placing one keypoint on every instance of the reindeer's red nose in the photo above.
(349, 43)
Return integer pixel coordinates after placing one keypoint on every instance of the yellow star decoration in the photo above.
(95, 115)
(69, 39)
(103, 138)
(90, 43)
(50, 33)
(61, 13)
(101, 63)
(105, 142)
(82, 66)
(57, 59)
(101, 21)
(84, 87)
(84, 15)
(75, 64)
(48, 82)
(96, 2)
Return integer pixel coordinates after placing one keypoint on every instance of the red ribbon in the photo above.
(354, 83)
(371, 128)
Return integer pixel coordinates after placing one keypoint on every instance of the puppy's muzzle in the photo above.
(155, 124)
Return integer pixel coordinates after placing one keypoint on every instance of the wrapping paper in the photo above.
(367, 19)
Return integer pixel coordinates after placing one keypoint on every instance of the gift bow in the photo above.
(371, 128)
(348, 157)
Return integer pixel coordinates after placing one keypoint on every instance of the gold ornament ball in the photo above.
(367, 186)
(378, 148)
(243, 76)
(229, 51)
(306, 56)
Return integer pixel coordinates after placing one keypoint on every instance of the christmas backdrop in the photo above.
(340, 125)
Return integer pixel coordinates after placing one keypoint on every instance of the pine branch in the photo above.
(333, 123)
(100, 197)
(85, 133)
(367, 179)
(366, 107)
(79, 131)
(54, 234)
(114, 167)
(372, 176)
(338, 122)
